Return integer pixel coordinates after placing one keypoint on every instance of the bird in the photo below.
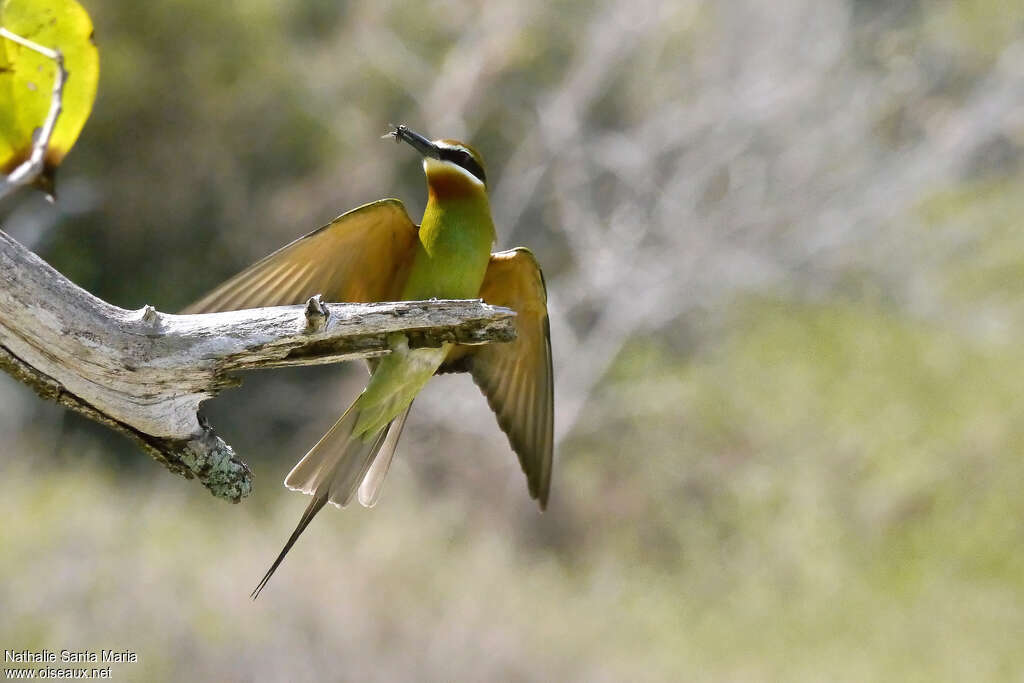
(376, 253)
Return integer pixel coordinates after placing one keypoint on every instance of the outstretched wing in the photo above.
(361, 256)
(516, 377)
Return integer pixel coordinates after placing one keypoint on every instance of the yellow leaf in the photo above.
(27, 77)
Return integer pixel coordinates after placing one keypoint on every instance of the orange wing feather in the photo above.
(361, 256)
(516, 377)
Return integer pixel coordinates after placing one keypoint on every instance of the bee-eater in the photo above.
(376, 253)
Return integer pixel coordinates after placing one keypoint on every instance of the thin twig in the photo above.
(29, 170)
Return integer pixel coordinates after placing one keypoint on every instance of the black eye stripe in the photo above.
(463, 159)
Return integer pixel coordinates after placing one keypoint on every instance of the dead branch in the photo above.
(145, 373)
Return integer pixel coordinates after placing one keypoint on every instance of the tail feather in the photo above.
(307, 517)
(352, 469)
(331, 473)
(338, 461)
(373, 482)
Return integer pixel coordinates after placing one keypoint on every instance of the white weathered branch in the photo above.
(144, 373)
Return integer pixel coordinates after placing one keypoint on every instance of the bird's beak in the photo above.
(417, 141)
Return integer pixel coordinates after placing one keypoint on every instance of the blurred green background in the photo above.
(783, 249)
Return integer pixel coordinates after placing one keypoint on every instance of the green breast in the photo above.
(454, 249)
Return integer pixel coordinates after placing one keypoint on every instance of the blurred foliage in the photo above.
(783, 259)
